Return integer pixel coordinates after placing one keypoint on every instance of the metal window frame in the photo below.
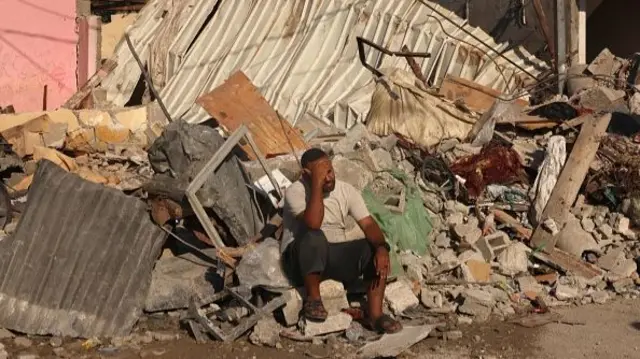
(210, 167)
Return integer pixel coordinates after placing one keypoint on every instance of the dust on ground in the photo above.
(609, 331)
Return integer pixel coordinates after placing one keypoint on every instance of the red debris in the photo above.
(495, 164)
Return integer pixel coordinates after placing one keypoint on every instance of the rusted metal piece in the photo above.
(568, 263)
(495, 164)
(246, 323)
(363, 59)
(414, 66)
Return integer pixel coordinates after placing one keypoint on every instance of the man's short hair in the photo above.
(312, 155)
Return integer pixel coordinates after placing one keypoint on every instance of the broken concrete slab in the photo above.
(352, 172)
(261, 266)
(119, 242)
(476, 271)
(625, 268)
(514, 259)
(611, 258)
(293, 306)
(565, 292)
(605, 64)
(353, 137)
(575, 240)
(334, 323)
(600, 98)
(480, 296)
(400, 297)
(529, 285)
(392, 345)
(175, 281)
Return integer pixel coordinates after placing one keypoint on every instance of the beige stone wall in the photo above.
(113, 32)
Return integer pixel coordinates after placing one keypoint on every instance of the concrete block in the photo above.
(483, 297)
(431, 298)
(468, 232)
(625, 268)
(565, 292)
(514, 259)
(400, 297)
(446, 256)
(334, 323)
(291, 310)
(443, 240)
(600, 297)
(334, 296)
(470, 254)
(611, 259)
(355, 135)
(476, 271)
(490, 246)
(588, 225)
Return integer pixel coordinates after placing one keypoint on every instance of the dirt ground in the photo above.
(607, 331)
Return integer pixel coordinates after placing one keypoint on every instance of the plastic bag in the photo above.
(406, 231)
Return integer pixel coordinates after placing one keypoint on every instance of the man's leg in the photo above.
(310, 253)
(347, 262)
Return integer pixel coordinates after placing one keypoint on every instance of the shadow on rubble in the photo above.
(635, 325)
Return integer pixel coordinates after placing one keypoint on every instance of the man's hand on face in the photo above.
(319, 171)
(382, 264)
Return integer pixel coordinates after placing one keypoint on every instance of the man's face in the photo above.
(322, 169)
(330, 179)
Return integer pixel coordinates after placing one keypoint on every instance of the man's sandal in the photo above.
(386, 324)
(314, 310)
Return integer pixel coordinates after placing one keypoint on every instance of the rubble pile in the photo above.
(494, 208)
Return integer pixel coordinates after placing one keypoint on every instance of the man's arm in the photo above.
(314, 211)
(372, 231)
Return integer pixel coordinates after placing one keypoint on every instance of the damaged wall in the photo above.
(38, 41)
(614, 25)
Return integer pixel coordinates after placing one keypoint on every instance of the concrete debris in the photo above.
(291, 310)
(492, 245)
(514, 259)
(392, 345)
(476, 271)
(600, 297)
(266, 332)
(400, 297)
(334, 296)
(431, 299)
(564, 292)
(334, 323)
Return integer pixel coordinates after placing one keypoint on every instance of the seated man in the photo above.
(313, 243)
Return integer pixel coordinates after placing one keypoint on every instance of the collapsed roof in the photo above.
(303, 55)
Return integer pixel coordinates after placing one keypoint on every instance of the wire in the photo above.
(215, 260)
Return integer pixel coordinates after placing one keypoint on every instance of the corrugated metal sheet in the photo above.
(302, 55)
(80, 261)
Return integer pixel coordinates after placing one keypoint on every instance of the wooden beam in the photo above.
(570, 180)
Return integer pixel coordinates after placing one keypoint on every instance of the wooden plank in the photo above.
(573, 174)
(504, 218)
(477, 97)
(76, 101)
(238, 102)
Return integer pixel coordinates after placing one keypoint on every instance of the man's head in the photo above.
(316, 163)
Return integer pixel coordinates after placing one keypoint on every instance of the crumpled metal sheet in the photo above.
(302, 55)
(80, 262)
(495, 164)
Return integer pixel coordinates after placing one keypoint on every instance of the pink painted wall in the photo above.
(38, 42)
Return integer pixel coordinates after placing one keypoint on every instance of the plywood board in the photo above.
(238, 102)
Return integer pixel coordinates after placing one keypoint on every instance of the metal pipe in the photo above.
(147, 77)
(561, 33)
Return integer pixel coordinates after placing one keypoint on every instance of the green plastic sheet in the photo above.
(407, 231)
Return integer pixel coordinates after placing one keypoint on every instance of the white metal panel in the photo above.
(302, 54)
